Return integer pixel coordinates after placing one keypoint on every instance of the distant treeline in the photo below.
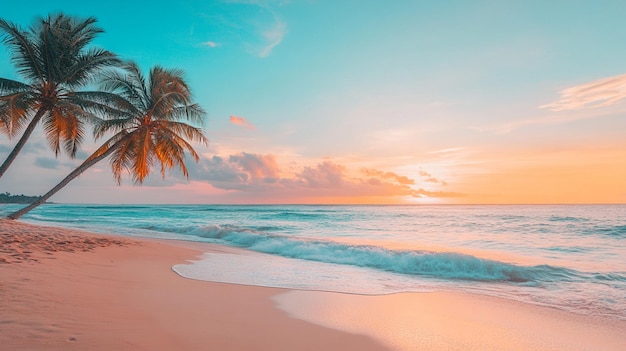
(7, 198)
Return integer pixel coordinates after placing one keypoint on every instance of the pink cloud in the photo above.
(598, 93)
(242, 122)
(430, 179)
(243, 171)
(257, 166)
(255, 174)
(324, 175)
(387, 175)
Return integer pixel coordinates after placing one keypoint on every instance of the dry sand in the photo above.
(69, 290)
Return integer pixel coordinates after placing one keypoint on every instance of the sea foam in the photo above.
(445, 265)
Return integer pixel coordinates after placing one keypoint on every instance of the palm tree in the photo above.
(154, 130)
(53, 58)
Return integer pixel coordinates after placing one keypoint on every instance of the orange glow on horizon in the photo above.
(552, 177)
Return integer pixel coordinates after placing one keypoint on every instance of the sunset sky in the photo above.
(368, 101)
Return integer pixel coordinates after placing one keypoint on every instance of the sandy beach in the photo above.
(71, 290)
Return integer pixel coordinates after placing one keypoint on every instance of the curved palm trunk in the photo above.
(75, 173)
(20, 144)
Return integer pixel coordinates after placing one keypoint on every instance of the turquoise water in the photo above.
(571, 257)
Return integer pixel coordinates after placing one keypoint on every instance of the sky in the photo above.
(366, 101)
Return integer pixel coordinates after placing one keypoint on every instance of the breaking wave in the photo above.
(447, 265)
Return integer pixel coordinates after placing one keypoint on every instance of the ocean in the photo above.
(569, 257)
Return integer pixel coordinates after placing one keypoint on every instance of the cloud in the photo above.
(210, 44)
(219, 172)
(243, 171)
(273, 37)
(387, 175)
(255, 173)
(430, 179)
(449, 151)
(582, 102)
(599, 93)
(47, 163)
(34, 148)
(240, 121)
(324, 175)
(31, 147)
(257, 166)
(255, 25)
(554, 118)
(330, 179)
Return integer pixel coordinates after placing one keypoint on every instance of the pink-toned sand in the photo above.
(70, 290)
(456, 321)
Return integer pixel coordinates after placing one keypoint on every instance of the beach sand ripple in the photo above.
(18, 245)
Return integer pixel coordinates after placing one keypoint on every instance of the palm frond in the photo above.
(87, 65)
(118, 125)
(153, 125)
(9, 86)
(138, 81)
(170, 152)
(15, 111)
(144, 155)
(67, 38)
(22, 52)
(53, 125)
(65, 125)
(52, 52)
(122, 158)
(163, 105)
(85, 31)
(125, 86)
(192, 114)
(103, 104)
(180, 145)
(74, 134)
(187, 131)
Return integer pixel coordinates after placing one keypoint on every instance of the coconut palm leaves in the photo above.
(158, 111)
(154, 124)
(53, 59)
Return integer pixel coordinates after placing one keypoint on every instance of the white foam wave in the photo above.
(448, 265)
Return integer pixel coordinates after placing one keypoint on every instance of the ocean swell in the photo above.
(448, 265)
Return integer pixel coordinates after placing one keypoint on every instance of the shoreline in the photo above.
(66, 289)
(124, 296)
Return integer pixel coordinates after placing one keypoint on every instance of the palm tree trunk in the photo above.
(75, 173)
(20, 144)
